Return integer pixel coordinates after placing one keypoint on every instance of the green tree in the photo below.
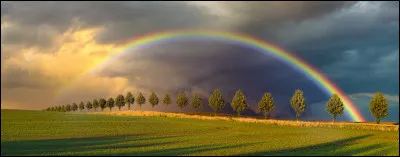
(334, 106)
(239, 103)
(140, 100)
(58, 108)
(102, 103)
(120, 101)
(379, 107)
(129, 99)
(89, 105)
(182, 100)
(95, 104)
(51, 108)
(63, 108)
(298, 103)
(74, 107)
(196, 102)
(153, 99)
(167, 99)
(266, 104)
(110, 103)
(81, 106)
(68, 108)
(216, 101)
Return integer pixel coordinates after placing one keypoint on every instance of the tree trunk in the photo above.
(110, 109)
(119, 108)
(238, 114)
(215, 113)
(297, 117)
(102, 109)
(378, 121)
(266, 115)
(129, 107)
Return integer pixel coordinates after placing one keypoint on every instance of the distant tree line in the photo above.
(334, 106)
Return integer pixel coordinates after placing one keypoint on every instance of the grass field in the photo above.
(55, 133)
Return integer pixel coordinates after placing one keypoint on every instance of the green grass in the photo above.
(54, 133)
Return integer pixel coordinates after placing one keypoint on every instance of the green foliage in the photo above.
(63, 108)
(334, 106)
(298, 103)
(239, 103)
(120, 101)
(153, 99)
(182, 100)
(129, 99)
(81, 106)
(95, 104)
(89, 105)
(379, 107)
(74, 107)
(266, 104)
(102, 103)
(68, 108)
(110, 103)
(140, 100)
(196, 102)
(167, 99)
(216, 101)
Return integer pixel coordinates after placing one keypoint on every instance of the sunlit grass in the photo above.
(347, 125)
(55, 133)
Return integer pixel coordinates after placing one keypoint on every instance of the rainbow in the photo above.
(267, 48)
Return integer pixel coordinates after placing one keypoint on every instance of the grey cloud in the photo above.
(15, 77)
(371, 95)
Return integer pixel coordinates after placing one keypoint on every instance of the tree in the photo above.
(89, 105)
(196, 102)
(95, 104)
(102, 103)
(58, 109)
(129, 99)
(68, 108)
(182, 100)
(298, 103)
(153, 99)
(216, 101)
(334, 106)
(167, 100)
(110, 103)
(81, 106)
(63, 108)
(379, 107)
(140, 100)
(120, 101)
(74, 107)
(266, 104)
(239, 103)
(51, 108)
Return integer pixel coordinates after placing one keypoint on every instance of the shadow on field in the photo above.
(329, 148)
(133, 145)
(79, 145)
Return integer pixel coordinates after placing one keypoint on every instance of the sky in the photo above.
(47, 46)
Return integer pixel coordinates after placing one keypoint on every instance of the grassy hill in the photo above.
(55, 133)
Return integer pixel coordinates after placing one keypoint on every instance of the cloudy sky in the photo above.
(47, 46)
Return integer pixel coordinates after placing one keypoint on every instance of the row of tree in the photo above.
(335, 107)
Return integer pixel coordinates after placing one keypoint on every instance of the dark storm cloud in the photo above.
(172, 68)
(20, 78)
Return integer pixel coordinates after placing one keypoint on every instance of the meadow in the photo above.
(68, 133)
